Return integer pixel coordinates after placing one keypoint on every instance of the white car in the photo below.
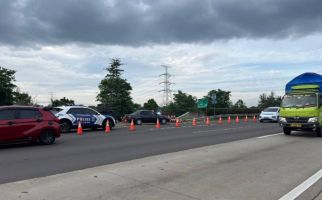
(70, 116)
(269, 114)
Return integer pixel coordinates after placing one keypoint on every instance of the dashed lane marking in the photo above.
(266, 136)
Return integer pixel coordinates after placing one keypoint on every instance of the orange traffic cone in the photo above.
(79, 129)
(237, 119)
(229, 120)
(254, 119)
(194, 122)
(208, 121)
(246, 119)
(177, 122)
(107, 127)
(220, 120)
(158, 124)
(132, 126)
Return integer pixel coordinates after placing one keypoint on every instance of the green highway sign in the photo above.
(202, 103)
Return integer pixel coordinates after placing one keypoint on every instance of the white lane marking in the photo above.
(296, 192)
(266, 136)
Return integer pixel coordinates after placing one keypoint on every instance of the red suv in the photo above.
(27, 123)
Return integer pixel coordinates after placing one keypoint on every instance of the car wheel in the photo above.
(65, 126)
(138, 122)
(163, 121)
(287, 131)
(47, 137)
(318, 132)
(260, 121)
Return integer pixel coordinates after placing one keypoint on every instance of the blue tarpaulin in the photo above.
(305, 79)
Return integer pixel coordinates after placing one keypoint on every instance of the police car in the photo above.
(70, 116)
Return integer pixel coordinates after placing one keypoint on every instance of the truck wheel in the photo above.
(287, 131)
(318, 132)
(138, 122)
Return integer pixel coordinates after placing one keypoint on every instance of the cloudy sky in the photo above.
(248, 47)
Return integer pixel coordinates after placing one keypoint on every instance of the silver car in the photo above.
(270, 114)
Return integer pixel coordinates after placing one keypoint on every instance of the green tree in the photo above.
(62, 102)
(151, 105)
(22, 98)
(222, 99)
(7, 86)
(269, 100)
(114, 70)
(170, 109)
(184, 102)
(136, 106)
(240, 104)
(114, 91)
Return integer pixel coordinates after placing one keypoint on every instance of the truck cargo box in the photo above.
(310, 80)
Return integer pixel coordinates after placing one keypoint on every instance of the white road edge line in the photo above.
(296, 192)
(266, 136)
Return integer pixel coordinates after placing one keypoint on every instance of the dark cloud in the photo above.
(140, 22)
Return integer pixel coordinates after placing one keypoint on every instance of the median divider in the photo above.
(204, 121)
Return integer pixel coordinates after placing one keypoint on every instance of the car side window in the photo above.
(89, 111)
(75, 111)
(7, 114)
(28, 114)
(145, 113)
(320, 100)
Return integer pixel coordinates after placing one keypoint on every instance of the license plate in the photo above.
(296, 125)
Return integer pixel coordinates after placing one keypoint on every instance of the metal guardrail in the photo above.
(216, 117)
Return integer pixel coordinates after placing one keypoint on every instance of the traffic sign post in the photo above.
(214, 101)
(202, 103)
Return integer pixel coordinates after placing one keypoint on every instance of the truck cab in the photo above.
(301, 107)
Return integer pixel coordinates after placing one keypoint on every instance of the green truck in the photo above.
(301, 107)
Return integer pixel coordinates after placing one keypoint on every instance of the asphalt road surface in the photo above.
(95, 148)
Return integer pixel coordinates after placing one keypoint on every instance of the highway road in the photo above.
(95, 148)
(269, 167)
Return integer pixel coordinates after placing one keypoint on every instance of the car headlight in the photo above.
(283, 119)
(313, 120)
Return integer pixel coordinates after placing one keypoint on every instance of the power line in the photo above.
(167, 92)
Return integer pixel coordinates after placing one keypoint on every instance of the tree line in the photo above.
(115, 96)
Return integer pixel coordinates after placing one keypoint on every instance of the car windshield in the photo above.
(299, 100)
(271, 110)
(55, 110)
(134, 113)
